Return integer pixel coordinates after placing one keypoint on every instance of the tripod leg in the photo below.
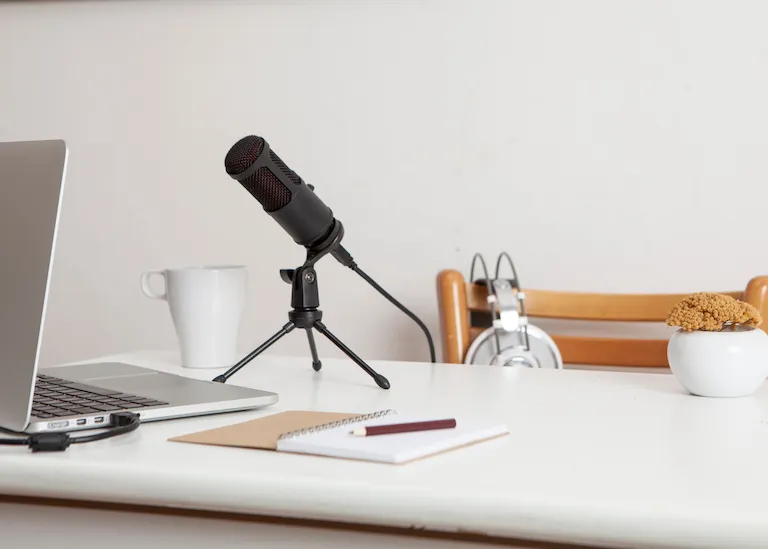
(316, 364)
(288, 328)
(380, 380)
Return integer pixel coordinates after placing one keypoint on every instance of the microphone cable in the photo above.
(400, 306)
(120, 423)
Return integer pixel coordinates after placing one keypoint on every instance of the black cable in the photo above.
(120, 423)
(400, 306)
(15, 441)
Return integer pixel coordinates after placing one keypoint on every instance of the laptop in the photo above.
(81, 396)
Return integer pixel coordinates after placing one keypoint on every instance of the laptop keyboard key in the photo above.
(102, 398)
(58, 412)
(149, 402)
(45, 408)
(58, 381)
(131, 406)
(91, 389)
(84, 410)
(105, 407)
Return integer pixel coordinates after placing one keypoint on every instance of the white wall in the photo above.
(617, 146)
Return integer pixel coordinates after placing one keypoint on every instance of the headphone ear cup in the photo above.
(515, 356)
(543, 352)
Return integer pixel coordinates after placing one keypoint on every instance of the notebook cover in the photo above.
(261, 433)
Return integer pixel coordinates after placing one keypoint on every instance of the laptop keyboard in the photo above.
(56, 397)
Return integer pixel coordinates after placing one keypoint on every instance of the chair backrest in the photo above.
(460, 302)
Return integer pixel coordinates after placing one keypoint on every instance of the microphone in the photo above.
(280, 190)
(299, 211)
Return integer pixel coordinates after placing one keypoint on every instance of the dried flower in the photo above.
(712, 312)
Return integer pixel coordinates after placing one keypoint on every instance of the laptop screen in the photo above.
(31, 184)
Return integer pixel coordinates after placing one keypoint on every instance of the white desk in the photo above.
(598, 459)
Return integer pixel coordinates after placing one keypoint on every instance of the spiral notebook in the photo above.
(328, 434)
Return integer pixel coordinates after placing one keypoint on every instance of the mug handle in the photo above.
(148, 290)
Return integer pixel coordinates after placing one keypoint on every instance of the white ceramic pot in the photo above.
(732, 363)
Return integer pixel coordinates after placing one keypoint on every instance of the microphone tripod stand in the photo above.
(305, 315)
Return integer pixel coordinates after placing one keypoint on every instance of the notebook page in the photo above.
(393, 448)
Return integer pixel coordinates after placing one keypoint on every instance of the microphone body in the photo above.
(282, 193)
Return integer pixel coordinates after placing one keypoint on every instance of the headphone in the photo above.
(511, 340)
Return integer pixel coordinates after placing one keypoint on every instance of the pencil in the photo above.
(404, 427)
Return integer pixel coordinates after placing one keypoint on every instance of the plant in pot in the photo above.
(719, 349)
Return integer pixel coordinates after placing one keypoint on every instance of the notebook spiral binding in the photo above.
(334, 424)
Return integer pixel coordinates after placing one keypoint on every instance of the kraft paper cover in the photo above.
(261, 433)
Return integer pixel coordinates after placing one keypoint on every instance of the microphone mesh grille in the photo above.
(289, 173)
(267, 189)
(243, 154)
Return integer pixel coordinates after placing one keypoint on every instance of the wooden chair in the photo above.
(461, 301)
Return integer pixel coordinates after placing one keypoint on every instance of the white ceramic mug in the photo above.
(206, 306)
